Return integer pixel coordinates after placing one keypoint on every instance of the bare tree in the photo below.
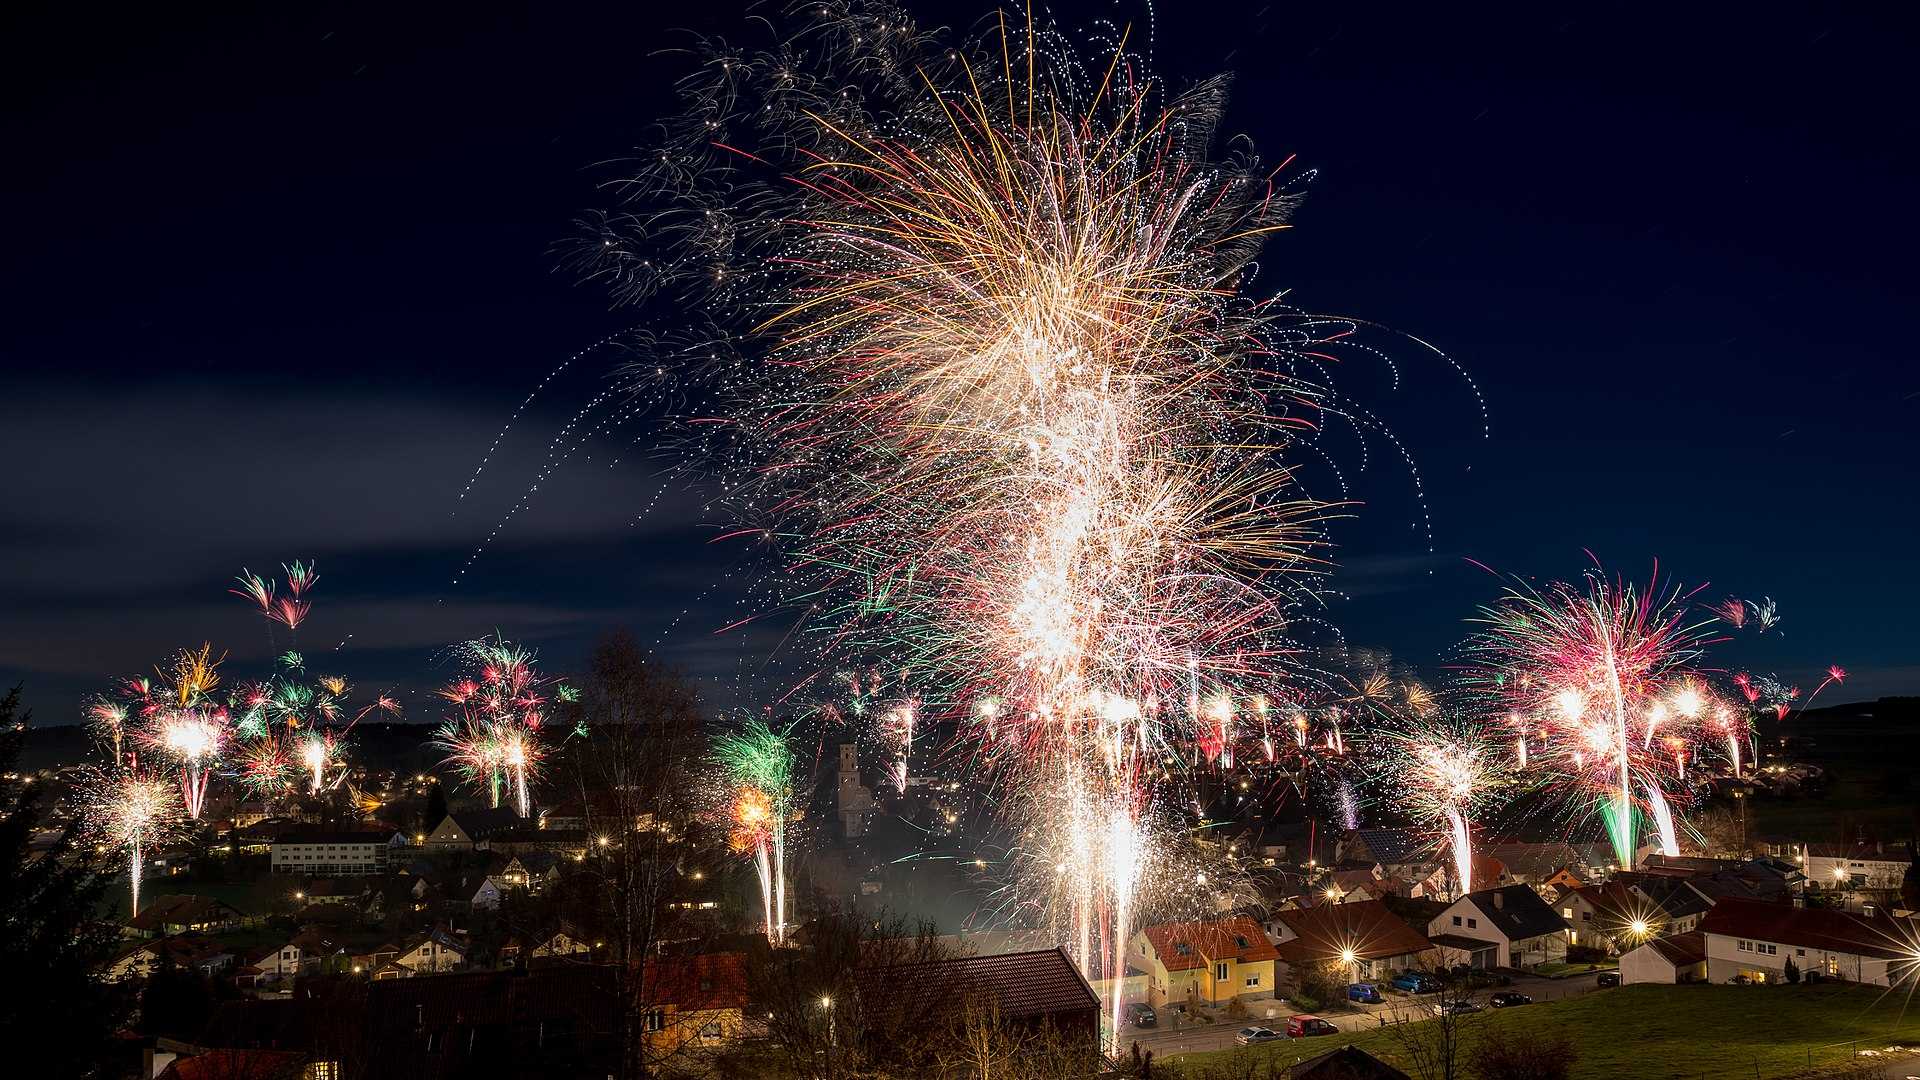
(852, 997)
(1429, 1040)
(641, 741)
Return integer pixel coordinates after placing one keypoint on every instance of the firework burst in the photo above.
(131, 810)
(759, 770)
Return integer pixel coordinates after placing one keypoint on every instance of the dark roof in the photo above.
(1462, 944)
(1368, 927)
(1388, 845)
(1681, 950)
(1675, 897)
(1518, 912)
(1812, 928)
(1024, 984)
(1345, 1063)
(333, 838)
(480, 824)
(181, 909)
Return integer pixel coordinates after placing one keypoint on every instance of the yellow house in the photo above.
(693, 1001)
(1211, 962)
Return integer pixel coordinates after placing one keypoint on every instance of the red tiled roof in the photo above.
(1369, 928)
(713, 981)
(228, 1064)
(1184, 946)
(1812, 928)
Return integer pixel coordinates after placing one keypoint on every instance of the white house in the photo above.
(308, 951)
(1866, 867)
(434, 951)
(1756, 940)
(1678, 959)
(1513, 926)
(330, 854)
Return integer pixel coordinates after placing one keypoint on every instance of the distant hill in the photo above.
(401, 747)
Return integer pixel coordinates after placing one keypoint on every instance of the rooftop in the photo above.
(1182, 946)
(1368, 929)
(1024, 984)
(1878, 936)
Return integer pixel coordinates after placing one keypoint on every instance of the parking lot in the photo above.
(1180, 1034)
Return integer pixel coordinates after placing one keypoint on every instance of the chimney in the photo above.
(1499, 899)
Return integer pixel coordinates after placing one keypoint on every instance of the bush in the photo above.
(1236, 1009)
(1496, 1056)
(1305, 1002)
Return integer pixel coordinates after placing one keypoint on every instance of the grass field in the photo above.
(1671, 1032)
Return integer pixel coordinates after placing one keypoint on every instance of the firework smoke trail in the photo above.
(131, 809)
(759, 765)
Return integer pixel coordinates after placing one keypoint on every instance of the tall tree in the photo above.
(640, 741)
(49, 902)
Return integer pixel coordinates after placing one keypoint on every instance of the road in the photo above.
(1188, 1038)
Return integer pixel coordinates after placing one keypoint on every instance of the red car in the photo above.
(1301, 1027)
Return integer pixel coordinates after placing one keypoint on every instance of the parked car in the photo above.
(1305, 1027)
(1141, 1014)
(1365, 993)
(1413, 982)
(1247, 1036)
(1454, 1008)
(1608, 978)
(1507, 999)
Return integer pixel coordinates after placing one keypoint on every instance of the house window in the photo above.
(1253, 981)
(1473, 924)
(655, 1020)
(1220, 971)
(1799, 952)
(1566, 913)
(1456, 920)
(711, 1032)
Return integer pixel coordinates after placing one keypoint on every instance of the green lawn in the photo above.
(1695, 1032)
(1552, 970)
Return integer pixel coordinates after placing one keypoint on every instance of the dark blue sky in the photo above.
(274, 281)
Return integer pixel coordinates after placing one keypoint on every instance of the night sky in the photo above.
(274, 282)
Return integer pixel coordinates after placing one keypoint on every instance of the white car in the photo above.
(1247, 1036)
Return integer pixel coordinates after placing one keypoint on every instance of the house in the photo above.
(468, 830)
(1681, 958)
(1533, 864)
(1204, 961)
(1679, 904)
(695, 1001)
(185, 913)
(202, 956)
(435, 951)
(1565, 877)
(523, 841)
(1026, 989)
(1607, 916)
(1387, 847)
(308, 952)
(1509, 927)
(1344, 1063)
(330, 853)
(488, 895)
(1873, 869)
(1770, 880)
(334, 891)
(1364, 940)
(1757, 940)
